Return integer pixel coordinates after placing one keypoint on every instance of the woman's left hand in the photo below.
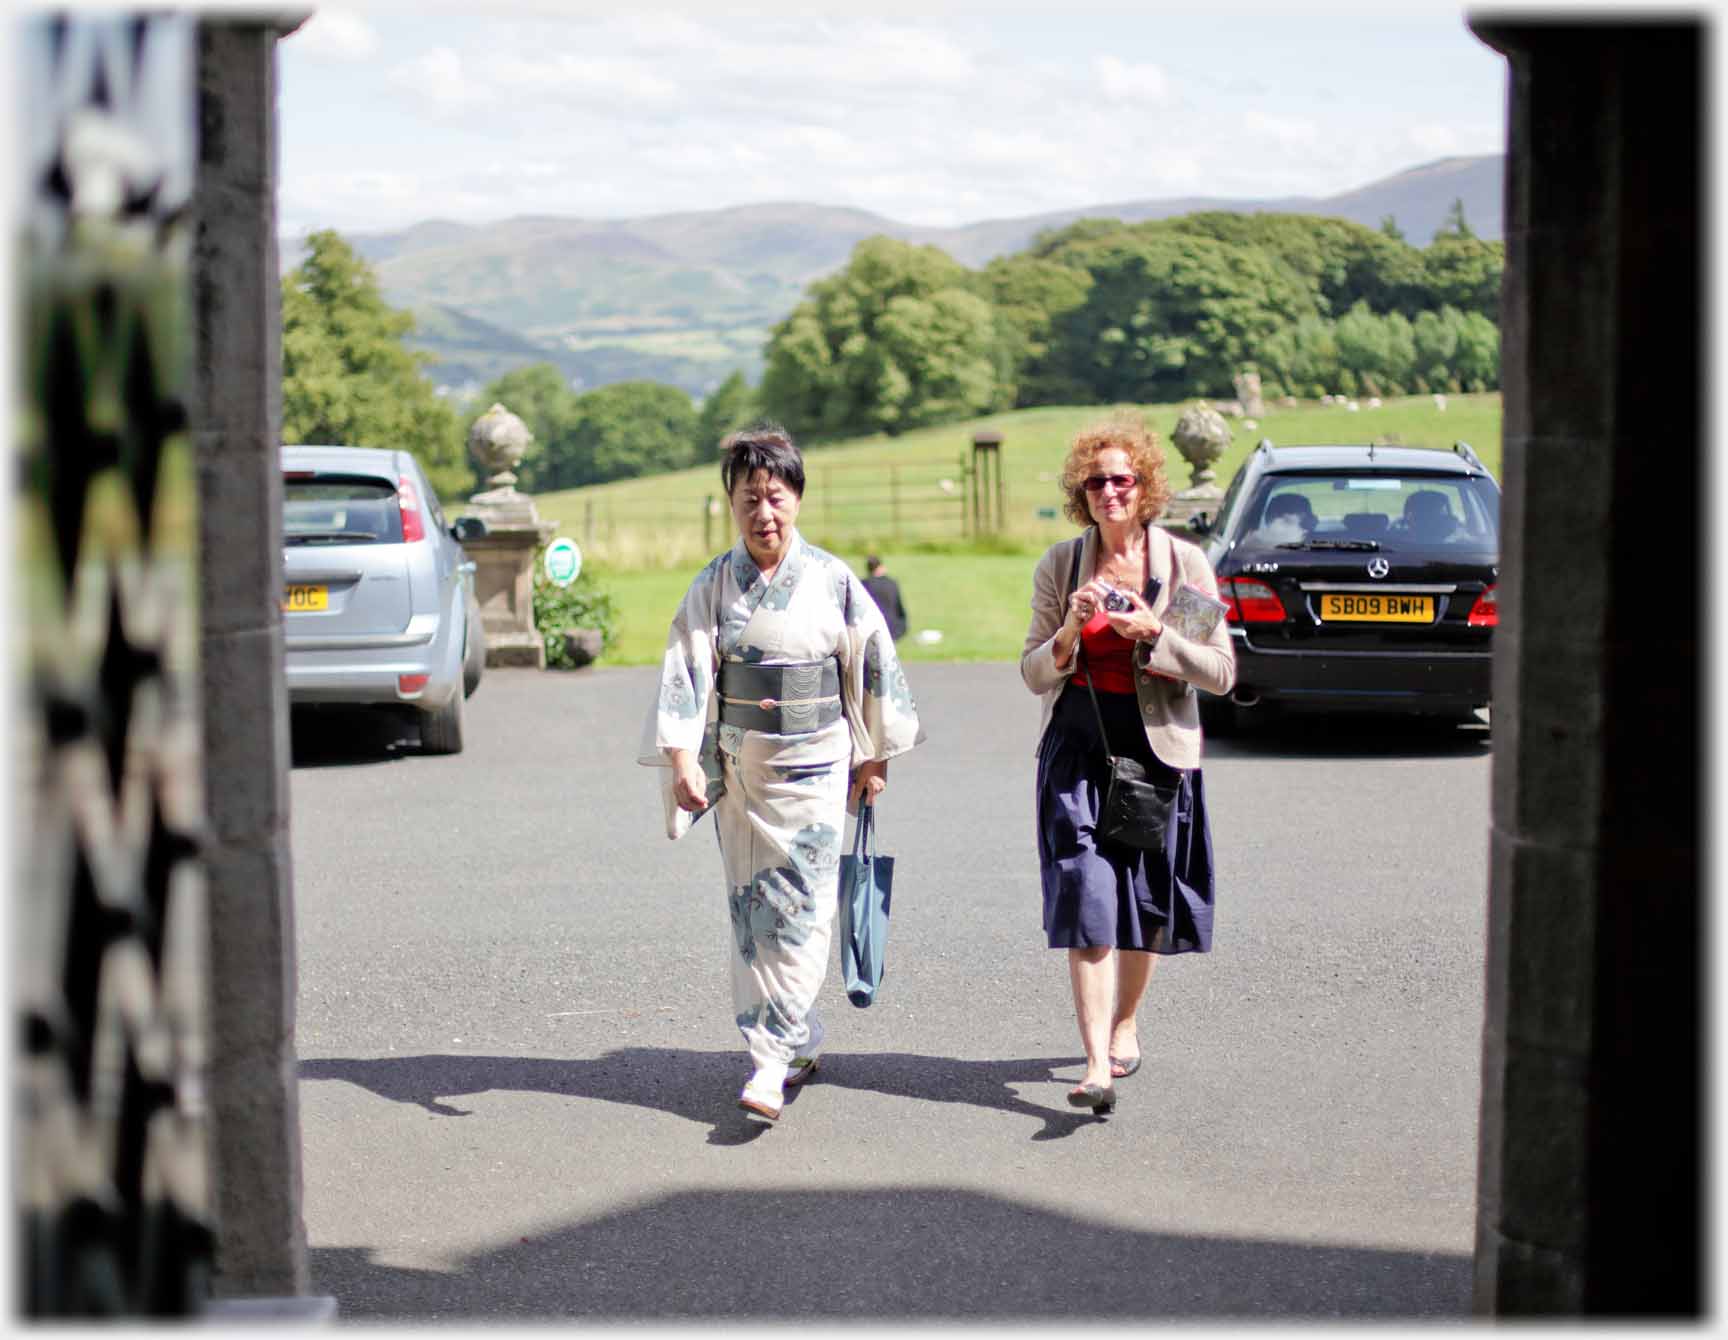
(870, 779)
(1138, 624)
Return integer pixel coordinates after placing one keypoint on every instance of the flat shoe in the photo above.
(761, 1102)
(1121, 1067)
(1101, 1098)
(800, 1070)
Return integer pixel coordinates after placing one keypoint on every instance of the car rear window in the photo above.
(336, 510)
(1410, 511)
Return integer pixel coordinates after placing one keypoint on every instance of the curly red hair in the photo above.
(1126, 430)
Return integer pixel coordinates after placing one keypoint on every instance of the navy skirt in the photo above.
(1103, 893)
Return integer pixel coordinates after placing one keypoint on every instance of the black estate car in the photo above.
(1357, 578)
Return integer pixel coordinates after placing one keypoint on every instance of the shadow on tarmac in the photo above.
(897, 1253)
(700, 1086)
(339, 735)
(1344, 735)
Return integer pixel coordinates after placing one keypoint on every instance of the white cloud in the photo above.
(336, 34)
(438, 77)
(569, 77)
(1131, 83)
(1287, 131)
(923, 116)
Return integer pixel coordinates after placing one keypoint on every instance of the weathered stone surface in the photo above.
(236, 423)
(1590, 1186)
(1201, 435)
(1249, 394)
(498, 441)
(504, 585)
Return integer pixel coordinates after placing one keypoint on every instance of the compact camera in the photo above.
(1117, 602)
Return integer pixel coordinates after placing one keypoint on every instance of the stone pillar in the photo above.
(504, 583)
(236, 415)
(1591, 1184)
(504, 556)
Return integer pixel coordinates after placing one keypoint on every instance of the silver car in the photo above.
(378, 605)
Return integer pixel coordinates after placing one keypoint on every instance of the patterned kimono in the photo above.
(782, 809)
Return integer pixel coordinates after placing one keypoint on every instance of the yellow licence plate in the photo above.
(306, 599)
(1376, 608)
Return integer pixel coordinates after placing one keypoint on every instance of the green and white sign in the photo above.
(563, 561)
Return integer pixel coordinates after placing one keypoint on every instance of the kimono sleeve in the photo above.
(685, 702)
(684, 710)
(873, 691)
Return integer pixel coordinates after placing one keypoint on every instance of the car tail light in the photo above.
(1485, 613)
(408, 503)
(410, 686)
(1250, 601)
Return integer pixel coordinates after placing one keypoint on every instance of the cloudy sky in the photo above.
(934, 114)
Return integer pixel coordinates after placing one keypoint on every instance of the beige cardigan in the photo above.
(1169, 708)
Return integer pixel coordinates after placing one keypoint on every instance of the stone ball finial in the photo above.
(498, 441)
(1201, 435)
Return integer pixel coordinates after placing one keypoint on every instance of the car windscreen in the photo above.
(1363, 509)
(333, 509)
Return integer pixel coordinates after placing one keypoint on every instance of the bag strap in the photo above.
(863, 831)
(1080, 653)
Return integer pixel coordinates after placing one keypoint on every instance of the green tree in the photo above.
(631, 428)
(1464, 272)
(1455, 225)
(347, 376)
(1029, 293)
(897, 339)
(1169, 315)
(1436, 339)
(1477, 360)
(728, 407)
(1341, 262)
(1389, 228)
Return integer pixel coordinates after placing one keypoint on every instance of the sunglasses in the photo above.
(1121, 483)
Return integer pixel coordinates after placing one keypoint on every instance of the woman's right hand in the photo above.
(689, 782)
(1084, 603)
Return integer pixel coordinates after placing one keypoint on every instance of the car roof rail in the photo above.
(1463, 449)
(1264, 444)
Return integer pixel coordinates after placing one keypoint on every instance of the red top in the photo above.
(1109, 656)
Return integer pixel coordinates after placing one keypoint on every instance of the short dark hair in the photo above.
(761, 446)
(872, 563)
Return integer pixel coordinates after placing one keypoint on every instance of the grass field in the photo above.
(645, 538)
(979, 602)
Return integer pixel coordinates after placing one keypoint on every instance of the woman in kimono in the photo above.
(781, 701)
(1127, 612)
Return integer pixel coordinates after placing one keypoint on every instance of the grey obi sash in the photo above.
(792, 699)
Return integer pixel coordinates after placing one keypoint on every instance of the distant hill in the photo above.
(688, 298)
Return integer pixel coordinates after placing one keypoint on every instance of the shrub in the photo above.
(582, 604)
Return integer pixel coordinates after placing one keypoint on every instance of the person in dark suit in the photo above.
(886, 593)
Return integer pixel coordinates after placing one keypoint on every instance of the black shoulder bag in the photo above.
(1136, 812)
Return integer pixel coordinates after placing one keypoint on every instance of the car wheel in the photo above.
(473, 652)
(441, 729)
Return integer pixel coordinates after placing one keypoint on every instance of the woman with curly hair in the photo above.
(1114, 679)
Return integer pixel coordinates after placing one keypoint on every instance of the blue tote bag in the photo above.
(866, 884)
